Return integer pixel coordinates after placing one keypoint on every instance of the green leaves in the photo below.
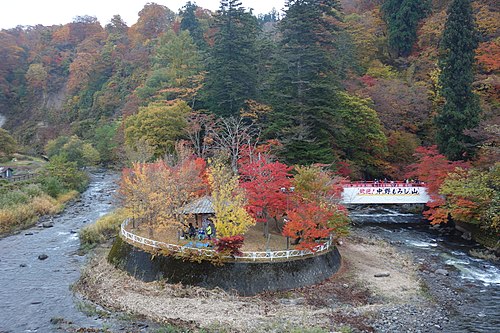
(402, 18)
(461, 110)
(474, 196)
(231, 77)
(159, 125)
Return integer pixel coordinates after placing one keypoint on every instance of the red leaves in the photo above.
(368, 80)
(488, 55)
(230, 245)
(263, 182)
(308, 222)
(435, 214)
(433, 167)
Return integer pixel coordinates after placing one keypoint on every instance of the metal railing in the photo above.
(253, 256)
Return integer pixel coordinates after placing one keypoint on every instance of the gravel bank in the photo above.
(397, 300)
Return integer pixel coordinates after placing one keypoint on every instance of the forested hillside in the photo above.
(356, 83)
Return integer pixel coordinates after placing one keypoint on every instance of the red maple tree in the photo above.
(263, 181)
(308, 223)
(432, 168)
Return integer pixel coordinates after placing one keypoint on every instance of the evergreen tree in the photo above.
(191, 23)
(402, 18)
(231, 77)
(305, 81)
(461, 109)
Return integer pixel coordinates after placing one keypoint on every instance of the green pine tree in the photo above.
(231, 77)
(191, 23)
(461, 109)
(306, 82)
(402, 18)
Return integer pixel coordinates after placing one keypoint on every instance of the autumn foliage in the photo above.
(153, 192)
(229, 245)
(308, 223)
(228, 199)
(263, 181)
(432, 168)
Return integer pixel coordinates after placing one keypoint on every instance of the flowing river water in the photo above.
(470, 291)
(34, 293)
(2, 120)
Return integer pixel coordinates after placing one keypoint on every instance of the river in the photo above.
(35, 295)
(33, 292)
(470, 292)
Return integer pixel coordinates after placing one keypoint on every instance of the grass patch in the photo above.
(21, 215)
(22, 204)
(65, 197)
(103, 229)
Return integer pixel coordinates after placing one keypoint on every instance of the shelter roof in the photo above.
(201, 205)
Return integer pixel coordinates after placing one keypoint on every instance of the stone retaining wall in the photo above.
(246, 278)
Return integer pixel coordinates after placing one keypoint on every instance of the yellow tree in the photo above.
(145, 192)
(229, 201)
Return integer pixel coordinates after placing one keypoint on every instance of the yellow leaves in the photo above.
(154, 192)
(486, 19)
(146, 190)
(228, 200)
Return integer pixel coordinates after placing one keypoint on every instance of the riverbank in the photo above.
(38, 265)
(377, 290)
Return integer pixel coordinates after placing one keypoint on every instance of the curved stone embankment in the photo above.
(246, 278)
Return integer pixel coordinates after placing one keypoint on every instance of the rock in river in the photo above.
(441, 271)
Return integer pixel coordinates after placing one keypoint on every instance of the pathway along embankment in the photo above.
(246, 278)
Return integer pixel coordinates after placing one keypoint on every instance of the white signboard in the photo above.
(385, 195)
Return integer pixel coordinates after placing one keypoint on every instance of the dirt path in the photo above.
(352, 299)
(371, 261)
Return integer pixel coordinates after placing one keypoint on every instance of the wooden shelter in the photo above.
(202, 208)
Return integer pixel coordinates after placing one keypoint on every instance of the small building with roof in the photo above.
(202, 209)
(6, 172)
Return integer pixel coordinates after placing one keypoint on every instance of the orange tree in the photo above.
(308, 222)
(153, 192)
(316, 212)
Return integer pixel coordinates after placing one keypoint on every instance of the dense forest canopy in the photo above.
(343, 83)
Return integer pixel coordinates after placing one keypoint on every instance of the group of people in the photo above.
(204, 232)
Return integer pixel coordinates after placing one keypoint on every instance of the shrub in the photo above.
(12, 198)
(103, 229)
(230, 245)
(33, 190)
(52, 186)
(65, 197)
(14, 217)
